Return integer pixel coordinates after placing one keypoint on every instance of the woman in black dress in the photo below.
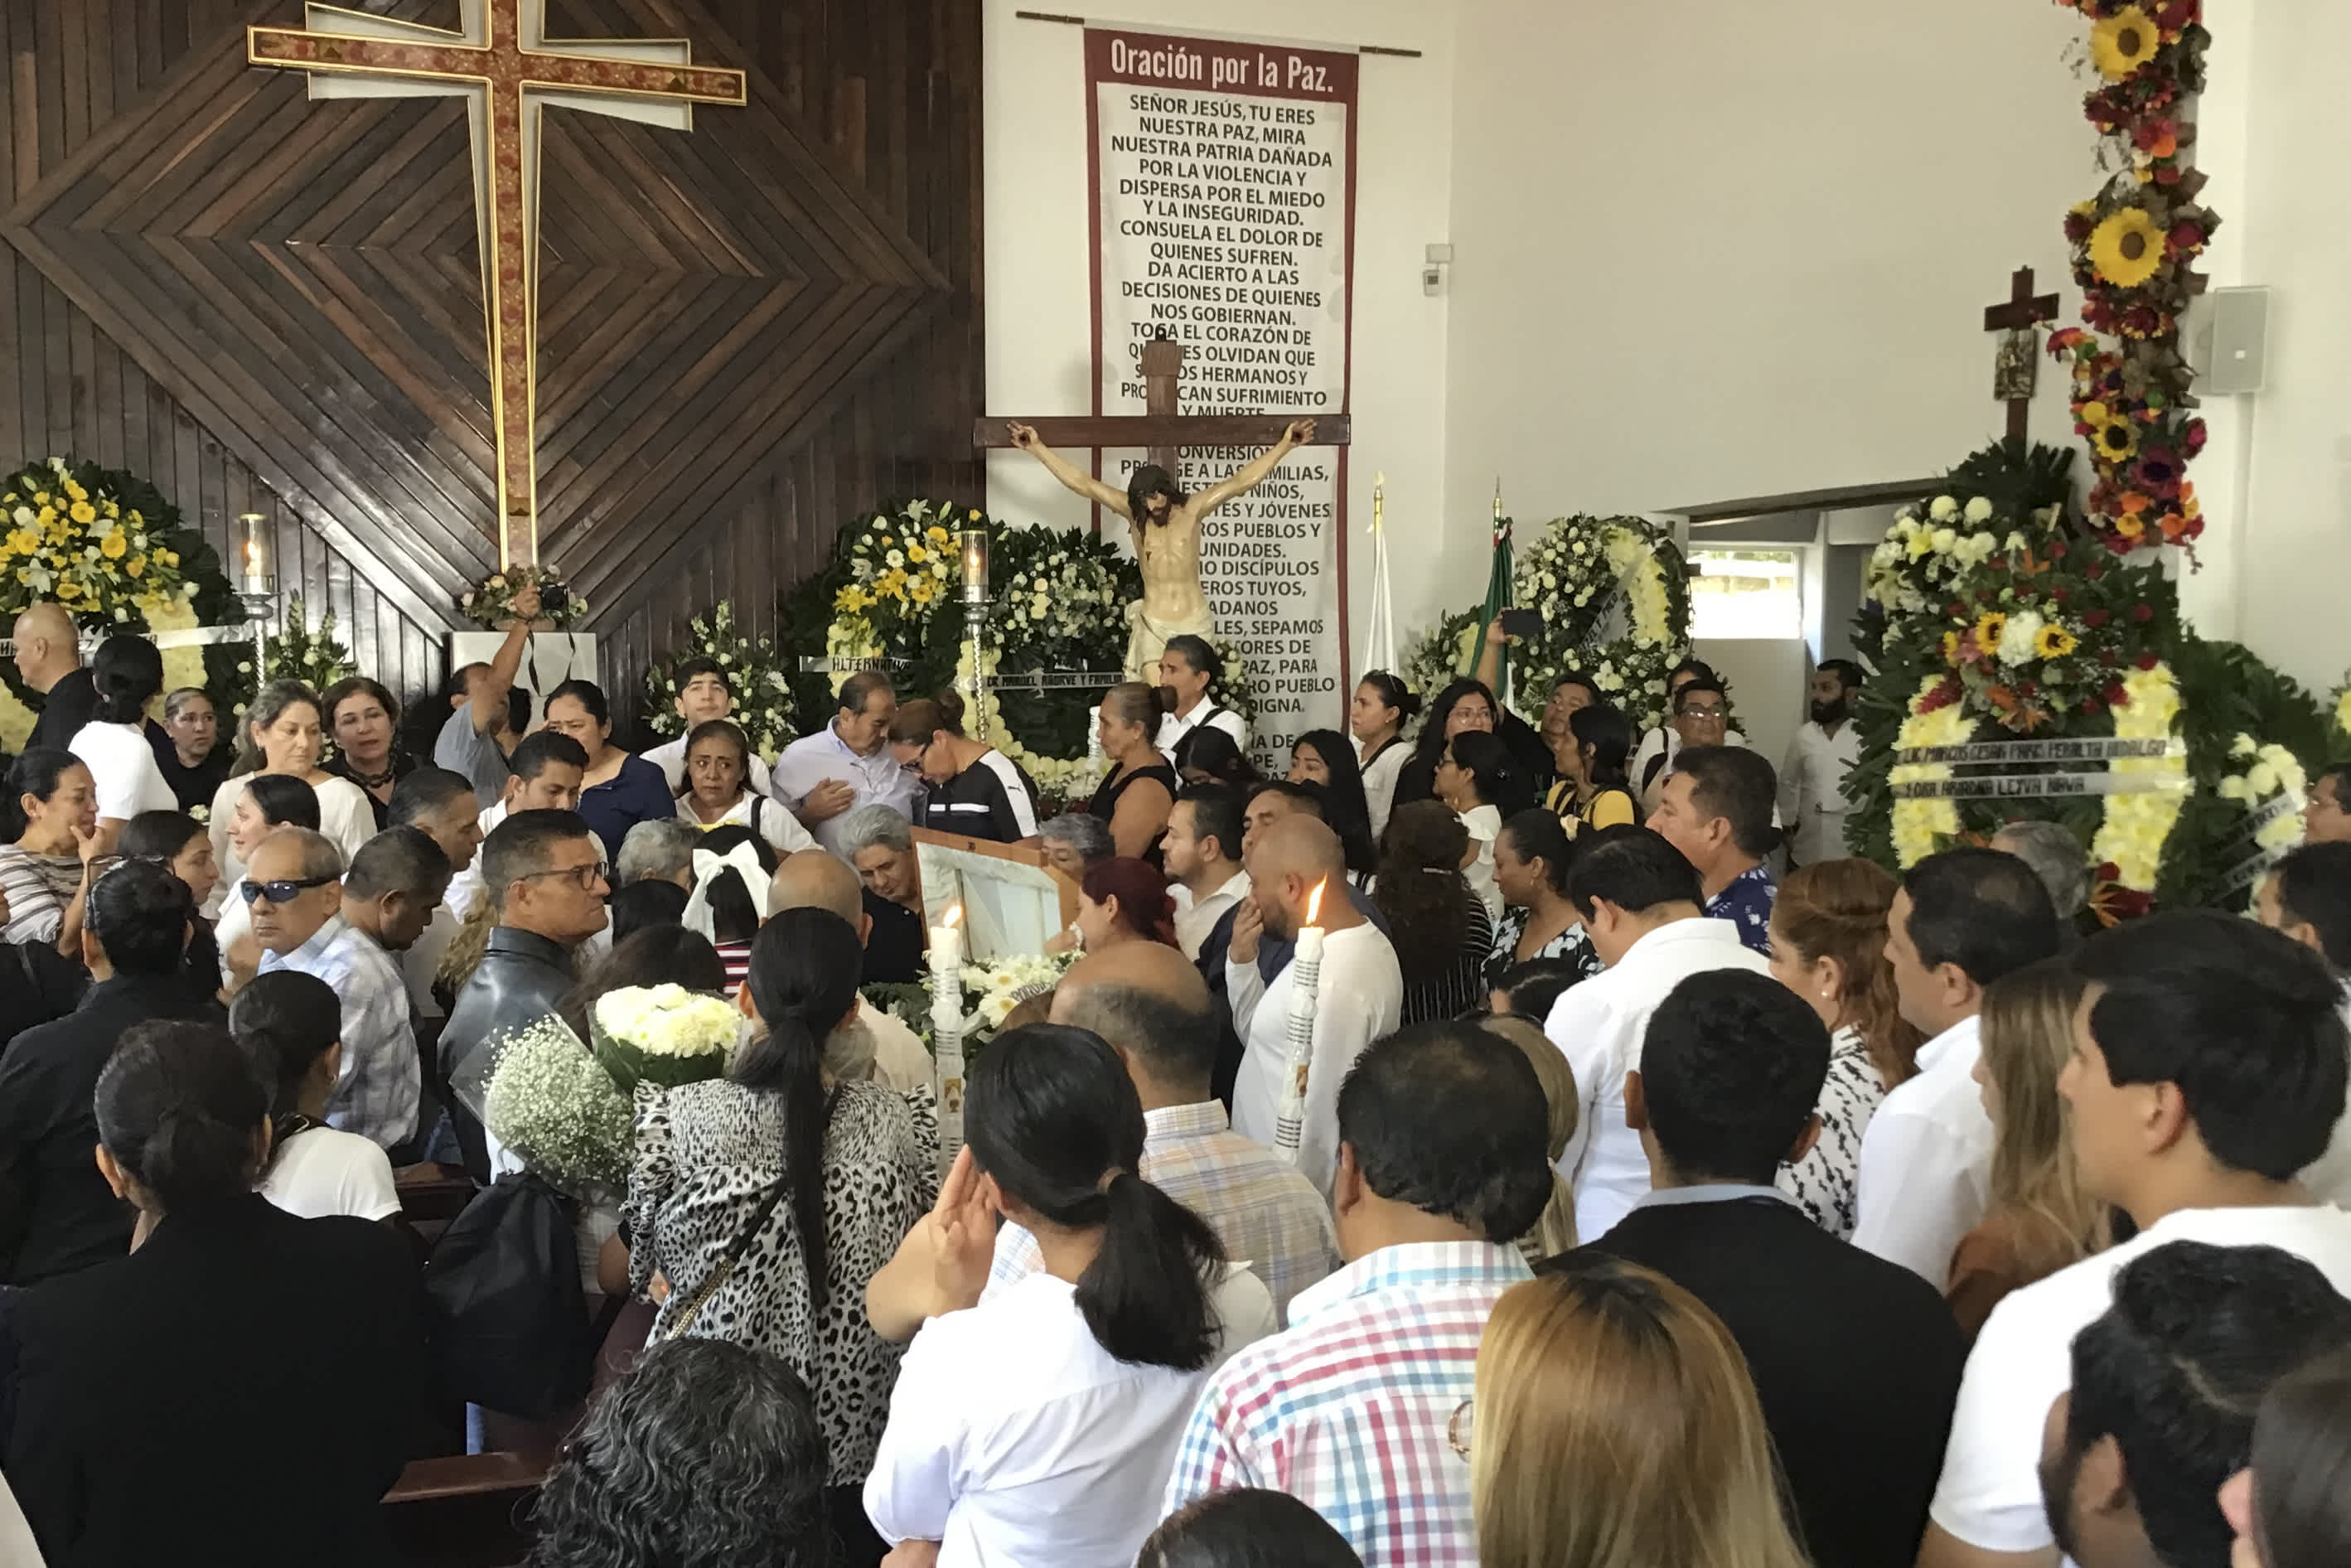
(968, 786)
(1139, 792)
(1324, 757)
(1438, 925)
(362, 719)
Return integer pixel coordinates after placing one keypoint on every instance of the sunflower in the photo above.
(2054, 642)
(2116, 441)
(2123, 42)
(2127, 249)
(1988, 628)
(1950, 647)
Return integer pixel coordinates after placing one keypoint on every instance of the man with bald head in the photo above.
(818, 879)
(1152, 1005)
(1360, 993)
(49, 657)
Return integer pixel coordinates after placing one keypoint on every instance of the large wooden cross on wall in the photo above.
(1161, 432)
(2019, 366)
(501, 61)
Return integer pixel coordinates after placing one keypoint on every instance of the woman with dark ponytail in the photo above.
(242, 1375)
(1039, 1424)
(767, 1198)
(129, 674)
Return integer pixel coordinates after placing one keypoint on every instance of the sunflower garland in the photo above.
(2135, 246)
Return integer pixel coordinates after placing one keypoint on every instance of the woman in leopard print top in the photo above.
(856, 1165)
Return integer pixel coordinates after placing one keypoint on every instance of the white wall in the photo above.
(1711, 250)
(1039, 353)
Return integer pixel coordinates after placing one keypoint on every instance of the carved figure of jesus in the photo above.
(1167, 525)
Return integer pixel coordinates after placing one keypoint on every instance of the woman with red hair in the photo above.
(1124, 900)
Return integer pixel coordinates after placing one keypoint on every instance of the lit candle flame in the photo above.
(1314, 901)
(954, 916)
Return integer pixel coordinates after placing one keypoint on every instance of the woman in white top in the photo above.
(129, 674)
(1382, 706)
(264, 803)
(715, 790)
(291, 1025)
(1040, 1426)
(1480, 780)
(281, 734)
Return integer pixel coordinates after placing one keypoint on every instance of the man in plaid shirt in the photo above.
(311, 917)
(1359, 1408)
(1154, 1008)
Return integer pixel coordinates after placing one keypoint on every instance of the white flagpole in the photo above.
(1379, 639)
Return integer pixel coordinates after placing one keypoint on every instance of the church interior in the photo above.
(935, 746)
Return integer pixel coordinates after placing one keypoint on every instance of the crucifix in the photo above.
(1161, 432)
(2018, 369)
(502, 63)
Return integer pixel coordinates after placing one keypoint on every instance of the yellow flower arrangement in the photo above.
(1922, 826)
(2132, 836)
(2122, 43)
(2054, 642)
(1950, 647)
(2127, 249)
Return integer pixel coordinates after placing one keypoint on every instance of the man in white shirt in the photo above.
(2208, 1067)
(1963, 919)
(1359, 995)
(1187, 667)
(545, 774)
(703, 694)
(2308, 897)
(1155, 1010)
(1640, 904)
(441, 804)
(1200, 856)
(2165, 1388)
(847, 764)
(1813, 802)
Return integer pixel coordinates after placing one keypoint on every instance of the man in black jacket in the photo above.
(547, 872)
(57, 1213)
(1857, 1360)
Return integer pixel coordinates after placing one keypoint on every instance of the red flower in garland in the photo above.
(2148, 661)
(2114, 695)
(2142, 612)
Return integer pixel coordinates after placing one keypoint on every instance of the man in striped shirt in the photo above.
(1153, 1007)
(1359, 1409)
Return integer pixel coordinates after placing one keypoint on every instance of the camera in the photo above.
(552, 598)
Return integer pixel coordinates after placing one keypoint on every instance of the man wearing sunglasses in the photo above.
(295, 887)
(546, 871)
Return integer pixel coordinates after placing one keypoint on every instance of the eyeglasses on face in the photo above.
(583, 877)
(285, 890)
(1705, 713)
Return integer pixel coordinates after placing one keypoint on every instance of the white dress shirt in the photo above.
(1598, 1026)
(875, 781)
(1380, 781)
(1173, 728)
(763, 814)
(467, 885)
(1926, 1160)
(1813, 802)
(1194, 919)
(1665, 737)
(670, 757)
(1485, 825)
(1990, 1494)
(1359, 999)
(1014, 1440)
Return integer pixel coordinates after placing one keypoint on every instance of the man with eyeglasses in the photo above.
(295, 887)
(546, 871)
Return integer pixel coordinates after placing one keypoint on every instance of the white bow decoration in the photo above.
(743, 858)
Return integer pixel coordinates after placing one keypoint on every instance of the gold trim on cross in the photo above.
(502, 59)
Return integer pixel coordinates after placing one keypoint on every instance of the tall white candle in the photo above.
(1305, 995)
(947, 1034)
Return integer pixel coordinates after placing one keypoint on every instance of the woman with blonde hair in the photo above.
(1615, 1426)
(1828, 946)
(1554, 1233)
(2041, 1219)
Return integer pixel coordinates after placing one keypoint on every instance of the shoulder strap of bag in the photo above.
(741, 1245)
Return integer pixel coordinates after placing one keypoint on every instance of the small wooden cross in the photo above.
(1163, 430)
(2019, 365)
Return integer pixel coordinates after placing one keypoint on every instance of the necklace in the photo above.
(372, 780)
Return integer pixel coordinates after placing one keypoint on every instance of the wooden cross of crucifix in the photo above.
(2018, 370)
(1162, 432)
(500, 61)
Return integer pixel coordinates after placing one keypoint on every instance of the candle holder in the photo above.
(947, 1035)
(974, 550)
(1305, 1000)
(257, 588)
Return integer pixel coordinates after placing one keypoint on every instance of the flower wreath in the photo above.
(108, 545)
(489, 604)
(1614, 593)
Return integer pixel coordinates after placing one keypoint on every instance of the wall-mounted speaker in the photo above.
(2236, 339)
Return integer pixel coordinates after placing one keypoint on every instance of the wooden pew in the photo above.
(466, 1510)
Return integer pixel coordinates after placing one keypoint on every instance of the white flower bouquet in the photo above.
(663, 1034)
(553, 1104)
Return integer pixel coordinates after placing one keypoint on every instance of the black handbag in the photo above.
(506, 1319)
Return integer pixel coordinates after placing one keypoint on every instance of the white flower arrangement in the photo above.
(1615, 602)
(663, 1034)
(554, 1106)
(1000, 989)
(1921, 827)
(2269, 772)
(754, 674)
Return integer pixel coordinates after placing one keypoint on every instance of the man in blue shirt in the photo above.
(1716, 809)
(847, 764)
